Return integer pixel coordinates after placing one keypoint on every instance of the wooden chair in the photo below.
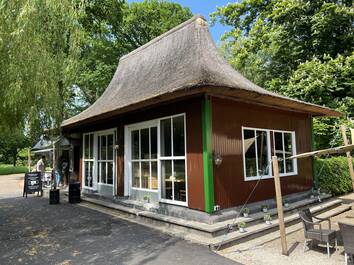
(347, 232)
(317, 234)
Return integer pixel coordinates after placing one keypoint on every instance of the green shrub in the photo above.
(332, 175)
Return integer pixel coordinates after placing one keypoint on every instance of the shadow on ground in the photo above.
(34, 232)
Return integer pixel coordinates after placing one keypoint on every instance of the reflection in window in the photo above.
(88, 160)
(167, 178)
(144, 158)
(256, 152)
(173, 171)
(257, 148)
(178, 136)
(284, 149)
(165, 127)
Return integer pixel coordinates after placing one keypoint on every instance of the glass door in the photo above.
(173, 160)
(88, 160)
(143, 158)
(105, 159)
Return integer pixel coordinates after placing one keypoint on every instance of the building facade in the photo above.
(178, 126)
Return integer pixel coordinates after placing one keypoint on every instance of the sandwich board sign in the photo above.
(32, 183)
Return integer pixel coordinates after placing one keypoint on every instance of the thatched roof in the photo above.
(182, 62)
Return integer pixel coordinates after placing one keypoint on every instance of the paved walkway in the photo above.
(34, 232)
(11, 185)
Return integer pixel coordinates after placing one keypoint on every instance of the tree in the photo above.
(302, 49)
(114, 29)
(39, 51)
(11, 142)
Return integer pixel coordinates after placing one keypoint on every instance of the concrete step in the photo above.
(203, 229)
(327, 209)
(210, 234)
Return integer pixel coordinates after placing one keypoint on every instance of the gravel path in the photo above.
(256, 253)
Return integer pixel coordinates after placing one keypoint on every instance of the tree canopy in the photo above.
(57, 57)
(121, 29)
(39, 48)
(302, 49)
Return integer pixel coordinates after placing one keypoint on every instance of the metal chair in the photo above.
(317, 234)
(347, 232)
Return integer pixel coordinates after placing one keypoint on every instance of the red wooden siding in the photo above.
(192, 109)
(228, 119)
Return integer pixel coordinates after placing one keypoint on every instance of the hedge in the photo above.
(332, 175)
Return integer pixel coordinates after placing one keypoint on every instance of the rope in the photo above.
(231, 225)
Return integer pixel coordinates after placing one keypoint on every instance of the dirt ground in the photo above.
(11, 185)
(256, 253)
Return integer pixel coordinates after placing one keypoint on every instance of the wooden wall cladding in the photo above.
(228, 118)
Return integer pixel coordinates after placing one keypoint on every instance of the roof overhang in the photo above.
(230, 93)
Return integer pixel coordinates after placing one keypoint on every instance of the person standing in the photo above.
(65, 171)
(40, 166)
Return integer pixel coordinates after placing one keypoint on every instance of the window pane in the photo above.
(154, 182)
(179, 180)
(278, 145)
(262, 151)
(178, 136)
(144, 143)
(250, 153)
(103, 147)
(145, 175)
(135, 144)
(87, 172)
(110, 147)
(166, 137)
(87, 146)
(135, 174)
(91, 146)
(99, 147)
(166, 179)
(153, 137)
(103, 172)
(110, 173)
(288, 146)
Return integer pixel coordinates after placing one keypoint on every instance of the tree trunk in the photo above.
(14, 157)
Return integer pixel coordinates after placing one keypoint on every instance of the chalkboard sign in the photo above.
(32, 183)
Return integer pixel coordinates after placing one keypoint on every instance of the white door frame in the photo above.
(95, 160)
(127, 157)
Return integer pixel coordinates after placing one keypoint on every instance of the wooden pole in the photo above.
(352, 134)
(349, 157)
(279, 205)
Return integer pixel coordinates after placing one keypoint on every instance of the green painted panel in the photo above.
(208, 156)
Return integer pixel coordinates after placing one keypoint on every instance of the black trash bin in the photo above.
(54, 196)
(74, 192)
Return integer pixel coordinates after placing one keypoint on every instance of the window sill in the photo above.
(270, 177)
(148, 190)
(104, 184)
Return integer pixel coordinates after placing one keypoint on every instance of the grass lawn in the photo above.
(10, 169)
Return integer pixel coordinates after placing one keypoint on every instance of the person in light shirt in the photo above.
(40, 167)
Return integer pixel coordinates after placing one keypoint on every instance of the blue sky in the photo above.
(204, 7)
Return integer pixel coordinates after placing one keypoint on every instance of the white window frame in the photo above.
(128, 182)
(269, 154)
(293, 143)
(99, 134)
(171, 158)
(88, 160)
(128, 163)
(139, 127)
(95, 180)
